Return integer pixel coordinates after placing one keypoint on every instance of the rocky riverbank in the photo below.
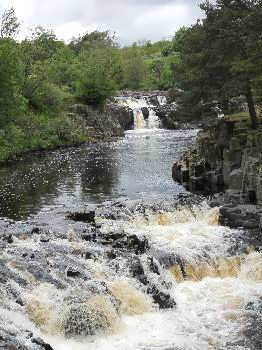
(115, 118)
(104, 263)
(227, 158)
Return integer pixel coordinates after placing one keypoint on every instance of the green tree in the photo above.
(9, 24)
(134, 68)
(93, 40)
(221, 57)
(97, 75)
(40, 87)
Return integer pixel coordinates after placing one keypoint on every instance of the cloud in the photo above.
(132, 20)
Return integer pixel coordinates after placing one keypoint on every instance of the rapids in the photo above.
(139, 264)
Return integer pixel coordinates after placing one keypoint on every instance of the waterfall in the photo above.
(126, 274)
(162, 100)
(144, 114)
(139, 121)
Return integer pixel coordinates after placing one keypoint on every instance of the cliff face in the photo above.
(112, 121)
(228, 158)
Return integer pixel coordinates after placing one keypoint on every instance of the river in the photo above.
(194, 285)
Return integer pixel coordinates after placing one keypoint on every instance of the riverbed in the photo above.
(147, 272)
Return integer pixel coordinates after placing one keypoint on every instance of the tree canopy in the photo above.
(221, 57)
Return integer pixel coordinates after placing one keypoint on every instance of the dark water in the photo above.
(137, 167)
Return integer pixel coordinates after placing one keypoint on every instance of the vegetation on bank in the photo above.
(221, 57)
(38, 132)
(218, 58)
(41, 76)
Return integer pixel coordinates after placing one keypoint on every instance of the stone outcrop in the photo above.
(108, 122)
(227, 158)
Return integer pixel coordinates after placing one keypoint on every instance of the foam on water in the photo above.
(210, 314)
(137, 105)
(212, 292)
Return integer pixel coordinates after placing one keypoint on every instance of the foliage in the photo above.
(38, 132)
(98, 71)
(221, 56)
(12, 103)
(93, 40)
(9, 24)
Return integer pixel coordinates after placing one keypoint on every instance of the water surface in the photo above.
(137, 166)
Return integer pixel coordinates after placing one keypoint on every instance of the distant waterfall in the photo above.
(139, 121)
(145, 116)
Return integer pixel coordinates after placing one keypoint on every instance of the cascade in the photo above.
(162, 100)
(138, 105)
(114, 301)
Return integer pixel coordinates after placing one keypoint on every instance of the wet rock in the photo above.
(95, 315)
(44, 239)
(21, 340)
(73, 272)
(148, 273)
(85, 216)
(121, 240)
(9, 239)
(163, 299)
(145, 112)
(253, 321)
(245, 216)
(137, 270)
(41, 343)
(6, 274)
(35, 230)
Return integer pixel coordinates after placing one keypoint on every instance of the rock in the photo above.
(73, 272)
(226, 158)
(145, 112)
(148, 272)
(98, 123)
(84, 216)
(9, 239)
(44, 239)
(164, 300)
(41, 343)
(96, 315)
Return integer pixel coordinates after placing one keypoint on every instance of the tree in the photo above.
(134, 68)
(11, 79)
(221, 57)
(39, 88)
(97, 77)
(9, 24)
(94, 40)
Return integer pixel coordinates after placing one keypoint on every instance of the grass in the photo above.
(242, 118)
(238, 117)
(38, 132)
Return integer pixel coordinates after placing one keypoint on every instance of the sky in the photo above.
(131, 20)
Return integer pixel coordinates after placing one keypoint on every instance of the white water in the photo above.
(210, 311)
(137, 104)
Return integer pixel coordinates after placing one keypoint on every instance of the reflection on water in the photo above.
(137, 166)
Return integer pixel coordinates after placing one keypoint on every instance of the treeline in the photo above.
(41, 76)
(218, 58)
(221, 58)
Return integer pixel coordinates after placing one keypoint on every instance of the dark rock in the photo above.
(9, 239)
(137, 270)
(73, 272)
(41, 343)
(145, 112)
(85, 216)
(164, 300)
(35, 230)
(44, 239)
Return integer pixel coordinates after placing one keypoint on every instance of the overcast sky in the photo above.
(132, 20)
